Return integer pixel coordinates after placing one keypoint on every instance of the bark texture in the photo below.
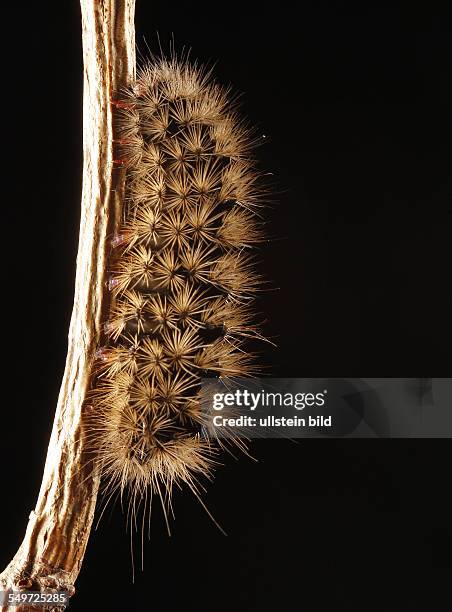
(51, 554)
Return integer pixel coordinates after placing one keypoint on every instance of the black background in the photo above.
(355, 101)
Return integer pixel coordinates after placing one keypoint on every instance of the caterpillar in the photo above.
(182, 278)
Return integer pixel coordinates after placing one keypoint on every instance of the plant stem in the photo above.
(51, 554)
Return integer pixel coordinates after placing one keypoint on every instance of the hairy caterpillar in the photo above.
(182, 278)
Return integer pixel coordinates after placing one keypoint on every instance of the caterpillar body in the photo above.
(182, 277)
